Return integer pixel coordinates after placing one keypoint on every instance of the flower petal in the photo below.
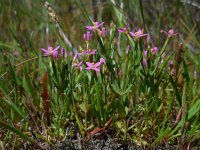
(121, 30)
(55, 54)
(93, 52)
(80, 64)
(89, 27)
(88, 68)
(100, 24)
(141, 35)
(47, 54)
(97, 64)
(132, 34)
(97, 69)
(102, 60)
(44, 50)
(89, 64)
(55, 49)
(163, 31)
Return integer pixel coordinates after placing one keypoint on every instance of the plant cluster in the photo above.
(119, 81)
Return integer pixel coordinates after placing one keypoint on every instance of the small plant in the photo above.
(120, 82)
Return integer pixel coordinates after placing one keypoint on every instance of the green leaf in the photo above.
(175, 87)
(55, 73)
(156, 62)
(191, 113)
(4, 46)
(186, 73)
(18, 132)
(160, 108)
(161, 136)
(14, 107)
(43, 138)
(194, 109)
(13, 74)
(84, 107)
(119, 91)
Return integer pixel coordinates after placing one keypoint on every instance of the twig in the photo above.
(54, 19)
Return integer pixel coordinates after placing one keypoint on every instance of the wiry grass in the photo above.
(151, 103)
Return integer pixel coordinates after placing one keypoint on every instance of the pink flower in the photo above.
(95, 26)
(124, 30)
(87, 36)
(87, 52)
(92, 66)
(103, 32)
(170, 33)
(144, 62)
(79, 65)
(16, 53)
(154, 50)
(171, 64)
(75, 57)
(145, 53)
(63, 52)
(102, 60)
(174, 71)
(138, 34)
(51, 51)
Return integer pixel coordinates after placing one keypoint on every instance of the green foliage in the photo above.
(150, 103)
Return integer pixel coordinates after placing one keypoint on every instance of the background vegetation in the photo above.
(43, 100)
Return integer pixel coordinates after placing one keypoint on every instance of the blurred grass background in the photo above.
(27, 19)
(24, 24)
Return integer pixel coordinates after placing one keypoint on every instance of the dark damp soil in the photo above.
(97, 144)
(100, 142)
(105, 140)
